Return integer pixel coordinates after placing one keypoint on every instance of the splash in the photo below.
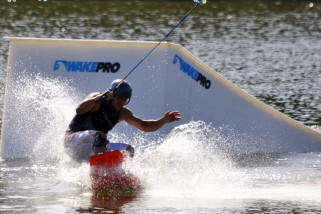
(42, 110)
(188, 168)
(186, 164)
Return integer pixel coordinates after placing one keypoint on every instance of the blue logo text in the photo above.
(83, 66)
(192, 72)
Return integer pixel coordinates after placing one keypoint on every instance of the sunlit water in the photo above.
(269, 49)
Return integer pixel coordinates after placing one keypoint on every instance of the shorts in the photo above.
(79, 145)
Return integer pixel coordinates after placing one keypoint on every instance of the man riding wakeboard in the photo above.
(87, 132)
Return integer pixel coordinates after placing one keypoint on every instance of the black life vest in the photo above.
(102, 120)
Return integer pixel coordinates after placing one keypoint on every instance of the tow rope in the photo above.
(103, 96)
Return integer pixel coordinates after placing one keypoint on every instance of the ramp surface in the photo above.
(40, 70)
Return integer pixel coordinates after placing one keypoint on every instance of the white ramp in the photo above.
(47, 77)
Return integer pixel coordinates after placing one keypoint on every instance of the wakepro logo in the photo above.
(192, 72)
(83, 66)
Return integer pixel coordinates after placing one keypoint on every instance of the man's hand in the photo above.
(110, 95)
(172, 116)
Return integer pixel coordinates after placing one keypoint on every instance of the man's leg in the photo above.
(79, 145)
(101, 143)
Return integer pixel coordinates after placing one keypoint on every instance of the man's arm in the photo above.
(88, 103)
(149, 125)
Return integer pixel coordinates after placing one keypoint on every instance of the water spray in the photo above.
(103, 96)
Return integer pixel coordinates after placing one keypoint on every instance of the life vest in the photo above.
(102, 120)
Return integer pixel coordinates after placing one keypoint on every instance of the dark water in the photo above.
(270, 49)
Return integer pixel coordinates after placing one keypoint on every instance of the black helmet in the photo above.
(123, 90)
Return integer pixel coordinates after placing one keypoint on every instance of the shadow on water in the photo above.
(112, 200)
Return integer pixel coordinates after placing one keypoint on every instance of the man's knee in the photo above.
(130, 150)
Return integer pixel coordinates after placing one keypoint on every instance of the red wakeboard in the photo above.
(106, 172)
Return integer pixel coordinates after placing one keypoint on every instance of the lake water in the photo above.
(270, 49)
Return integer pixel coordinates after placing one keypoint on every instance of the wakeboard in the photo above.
(106, 172)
